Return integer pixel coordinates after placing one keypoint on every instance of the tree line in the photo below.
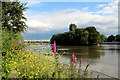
(113, 38)
(82, 36)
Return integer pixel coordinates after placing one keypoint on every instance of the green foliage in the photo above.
(111, 38)
(94, 35)
(10, 40)
(72, 27)
(19, 62)
(62, 39)
(27, 64)
(12, 43)
(13, 17)
(118, 38)
(81, 36)
(103, 38)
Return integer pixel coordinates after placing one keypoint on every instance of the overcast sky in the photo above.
(47, 18)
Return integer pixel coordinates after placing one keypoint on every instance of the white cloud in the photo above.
(111, 8)
(102, 5)
(60, 20)
(36, 24)
(85, 8)
(30, 3)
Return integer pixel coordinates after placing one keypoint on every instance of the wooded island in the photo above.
(79, 36)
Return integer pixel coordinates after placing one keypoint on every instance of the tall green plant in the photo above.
(11, 40)
(12, 43)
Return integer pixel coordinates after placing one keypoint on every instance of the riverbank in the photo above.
(48, 41)
(111, 43)
(36, 41)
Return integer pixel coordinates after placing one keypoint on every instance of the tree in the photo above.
(118, 38)
(111, 38)
(13, 17)
(103, 38)
(81, 36)
(94, 35)
(72, 27)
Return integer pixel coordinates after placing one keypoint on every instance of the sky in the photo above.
(45, 19)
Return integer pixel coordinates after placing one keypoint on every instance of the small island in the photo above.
(79, 36)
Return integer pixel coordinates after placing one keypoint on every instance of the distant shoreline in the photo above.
(48, 41)
(111, 43)
(37, 41)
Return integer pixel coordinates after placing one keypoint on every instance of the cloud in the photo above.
(111, 8)
(37, 26)
(60, 20)
(85, 8)
(102, 5)
(31, 3)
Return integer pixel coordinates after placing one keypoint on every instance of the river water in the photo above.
(103, 59)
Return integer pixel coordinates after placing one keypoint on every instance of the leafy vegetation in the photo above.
(113, 38)
(72, 27)
(13, 17)
(103, 38)
(11, 40)
(117, 38)
(19, 61)
(79, 36)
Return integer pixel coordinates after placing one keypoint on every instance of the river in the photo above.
(103, 59)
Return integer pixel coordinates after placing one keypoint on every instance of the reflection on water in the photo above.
(101, 58)
(90, 52)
